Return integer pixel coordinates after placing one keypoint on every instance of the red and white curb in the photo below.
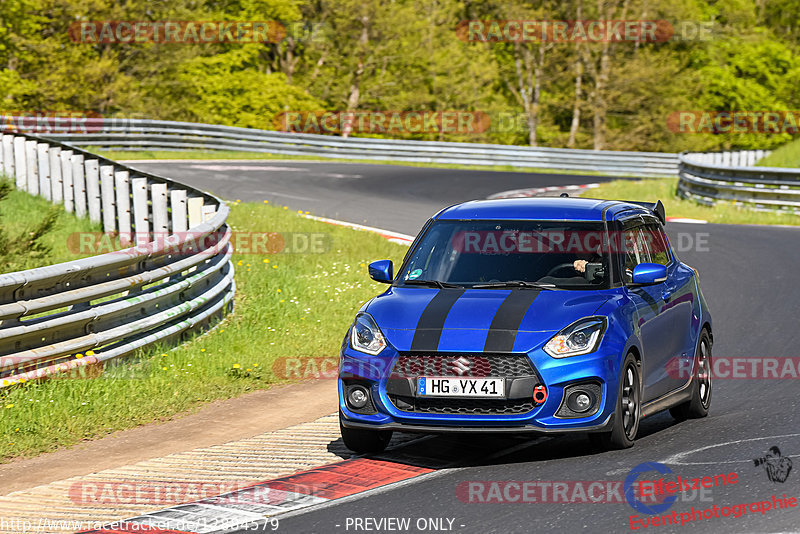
(394, 237)
(264, 500)
(540, 191)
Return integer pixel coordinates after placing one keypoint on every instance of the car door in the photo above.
(679, 296)
(651, 325)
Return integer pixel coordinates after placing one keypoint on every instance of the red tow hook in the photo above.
(539, 394)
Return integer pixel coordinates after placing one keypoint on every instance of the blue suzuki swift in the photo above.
(541, 315)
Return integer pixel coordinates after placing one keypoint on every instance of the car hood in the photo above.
(474, 320)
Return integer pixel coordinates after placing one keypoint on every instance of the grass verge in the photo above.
(287, 305)
(20, 212)
(787, 156)
(664, 189)
(144, 155)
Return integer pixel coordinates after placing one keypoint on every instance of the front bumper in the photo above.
(600, 367)
(442, 429)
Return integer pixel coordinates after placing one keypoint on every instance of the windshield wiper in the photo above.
(430, 283)
(514, 283)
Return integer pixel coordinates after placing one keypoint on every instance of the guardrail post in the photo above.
(123, 190)
(178, 205)
(93, 189)
(107, 196)
(140, 211)
(66, 177)
(79, 184)
(32, 181)
(208, 212)
(56, 180)
(8, 155)
(21, 173)
(43, 150)
(158, 196)
(195, 205)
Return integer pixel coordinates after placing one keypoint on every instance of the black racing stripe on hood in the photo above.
(431, 322)
(503, 330)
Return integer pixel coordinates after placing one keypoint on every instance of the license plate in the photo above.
(431, 386)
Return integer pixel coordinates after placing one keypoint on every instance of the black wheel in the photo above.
(364, 441)
(698, 406)
(628, 412)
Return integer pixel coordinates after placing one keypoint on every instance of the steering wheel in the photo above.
(562, 266)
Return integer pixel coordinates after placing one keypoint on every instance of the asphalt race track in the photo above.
(749, 276)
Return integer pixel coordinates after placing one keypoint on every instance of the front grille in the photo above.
(462, 406)
(410, 366)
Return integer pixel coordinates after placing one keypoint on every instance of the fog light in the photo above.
(357, 397)
(580, 401)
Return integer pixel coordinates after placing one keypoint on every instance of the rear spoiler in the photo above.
(657, 208)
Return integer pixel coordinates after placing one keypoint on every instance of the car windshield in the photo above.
(506, 254)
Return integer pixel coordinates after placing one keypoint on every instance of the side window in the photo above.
(657, 244)
(636, 250)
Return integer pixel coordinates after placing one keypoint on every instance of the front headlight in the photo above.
(581, 337)
(365, 336)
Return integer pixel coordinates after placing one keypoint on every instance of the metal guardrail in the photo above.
(140, 134)
(761, 188)
(177, 278)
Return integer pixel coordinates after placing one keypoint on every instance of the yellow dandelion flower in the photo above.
(6, 382)
(90, 353)
(266, 202)
(308, 213)
(286, 207)
(248, 370)
(163, 368)
(274, 266)
(78, 356)
(278, 290)
(239, 263)
(266, 260)
(255, 365)
(237, 366)
(22, 380)
(9, 406)
(202, 350)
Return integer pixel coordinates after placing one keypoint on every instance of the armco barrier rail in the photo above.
(178, 278)
(762, 188)
(140, 134)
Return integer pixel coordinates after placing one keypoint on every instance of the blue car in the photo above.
(540, 315)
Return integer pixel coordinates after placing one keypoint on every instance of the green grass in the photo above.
(296, 305)
(21, 211)
(664, 189)
(144, 155)
(787, 156)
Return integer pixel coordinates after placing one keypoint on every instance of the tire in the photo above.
(364, 441)
(698, 405)
(628, 412)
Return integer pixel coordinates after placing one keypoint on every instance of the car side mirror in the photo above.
(646, 274)
(381, 271)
